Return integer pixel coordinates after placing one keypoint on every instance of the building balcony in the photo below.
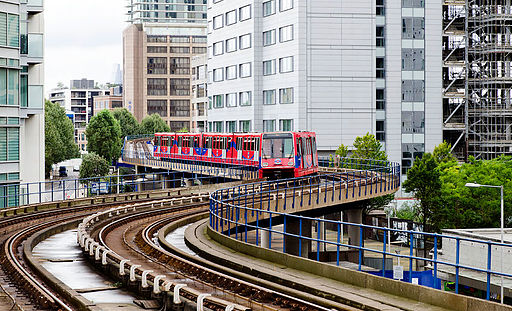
(34, 6)
(35, 48)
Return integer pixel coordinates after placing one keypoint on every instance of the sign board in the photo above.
(398, 272)
(415, 281)
(100, 188)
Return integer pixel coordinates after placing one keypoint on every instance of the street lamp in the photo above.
(475, 185)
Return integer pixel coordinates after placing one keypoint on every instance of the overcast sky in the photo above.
(83, 39)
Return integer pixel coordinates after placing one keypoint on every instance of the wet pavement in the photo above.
(62, 257)
(177, 239)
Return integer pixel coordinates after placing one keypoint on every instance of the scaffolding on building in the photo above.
(477, 74)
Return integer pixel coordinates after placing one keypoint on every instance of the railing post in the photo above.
(40, 194)
(360, 247)
(318, 240)
(435, 260)
(338, 240)
(284, 233)
(457, 249)
(489, 251)
(384, 242)
(411, 253)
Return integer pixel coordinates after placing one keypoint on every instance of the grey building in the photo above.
(339, 68)
(21, 98)
(81, 84)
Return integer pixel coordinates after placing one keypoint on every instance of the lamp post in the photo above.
(475, 185)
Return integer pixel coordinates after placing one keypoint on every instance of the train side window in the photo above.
(299, 151)
(180, 139)
(256, 144)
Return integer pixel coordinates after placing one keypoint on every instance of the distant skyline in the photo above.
(83, 39)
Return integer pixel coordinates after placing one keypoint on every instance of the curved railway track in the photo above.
(139, 260)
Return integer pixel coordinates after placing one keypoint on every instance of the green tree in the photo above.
(93, 166)
(104, 136)
(128, 123)
(59, 136)
(368, 147)
(153, 124)
(442, 153)
(424, 180)
(183, 130)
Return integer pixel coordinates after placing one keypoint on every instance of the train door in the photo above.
(230, 149)
(257, 147)
(207, 144)
(239, 149)
(299, 163)
(218, 149)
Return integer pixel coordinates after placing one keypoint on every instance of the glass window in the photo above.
(217, 127)
(180, 87)
(157, 65)
(24, 91)
(245, 126)
(218, 101)
(231, 45)
(380, 7)
(3, 144)
(231, 126)
(179, 50)
(218, 48)
(218, 74)
(285, 5)
(380, 71)
(157, 106)
(13, 144)
(157, 49)
(180, 108)
(277, 146)
(286, 64)
(286, 125)
(286, 96)
(231, 17)
(269, 67)
(269, 8)
(381, 42)
(179, 66)
(286, 33)
(245, 41)
(3, 28)
(269, 97)
(231, 100)
(157, 87)
(13, 87)
(269, 125)
(13, 30)
(245, 98)
(245, 70)
(245, 12)
(380, 132)
(231, 72)
(218, 21)
(3, 86)
(381, 99)
(269, 37)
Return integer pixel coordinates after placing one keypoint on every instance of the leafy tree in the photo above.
(153, 124)
(442, 153)
(424, 180)
(368, 147)
(93, 166)
(59, 136)
(183, 130)
(128, 123)
(104, 136)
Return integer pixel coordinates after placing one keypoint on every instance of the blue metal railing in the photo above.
(240, 210)
(69, 189)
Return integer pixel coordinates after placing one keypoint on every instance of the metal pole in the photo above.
(502, 225)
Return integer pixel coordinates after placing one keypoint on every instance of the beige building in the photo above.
(108, 101)
(199, 93)
(157, 74)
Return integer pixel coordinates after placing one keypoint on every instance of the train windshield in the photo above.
(277, 146)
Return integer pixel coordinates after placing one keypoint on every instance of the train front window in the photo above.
(277, 146)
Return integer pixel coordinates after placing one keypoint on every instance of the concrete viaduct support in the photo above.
(293, 226)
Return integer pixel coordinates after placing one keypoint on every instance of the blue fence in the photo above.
(245, 211)
(69, 189)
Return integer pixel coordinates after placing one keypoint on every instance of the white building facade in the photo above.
(21, 98)
(339, 68)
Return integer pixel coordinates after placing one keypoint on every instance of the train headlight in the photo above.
(290, 163)
(264, 164)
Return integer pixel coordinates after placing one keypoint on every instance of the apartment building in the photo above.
(199, 94)
(79, 104)
(162, 11)
(109, 101)
(21, 97)
(157, 76)
(339, 68)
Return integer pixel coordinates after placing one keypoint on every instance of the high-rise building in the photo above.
(21, 98)
(477, 77)
(339, 68)
(79, 105)
(199, 99)
(157, 75)
(162, 11)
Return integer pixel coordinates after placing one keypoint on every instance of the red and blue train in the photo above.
(277, 154)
